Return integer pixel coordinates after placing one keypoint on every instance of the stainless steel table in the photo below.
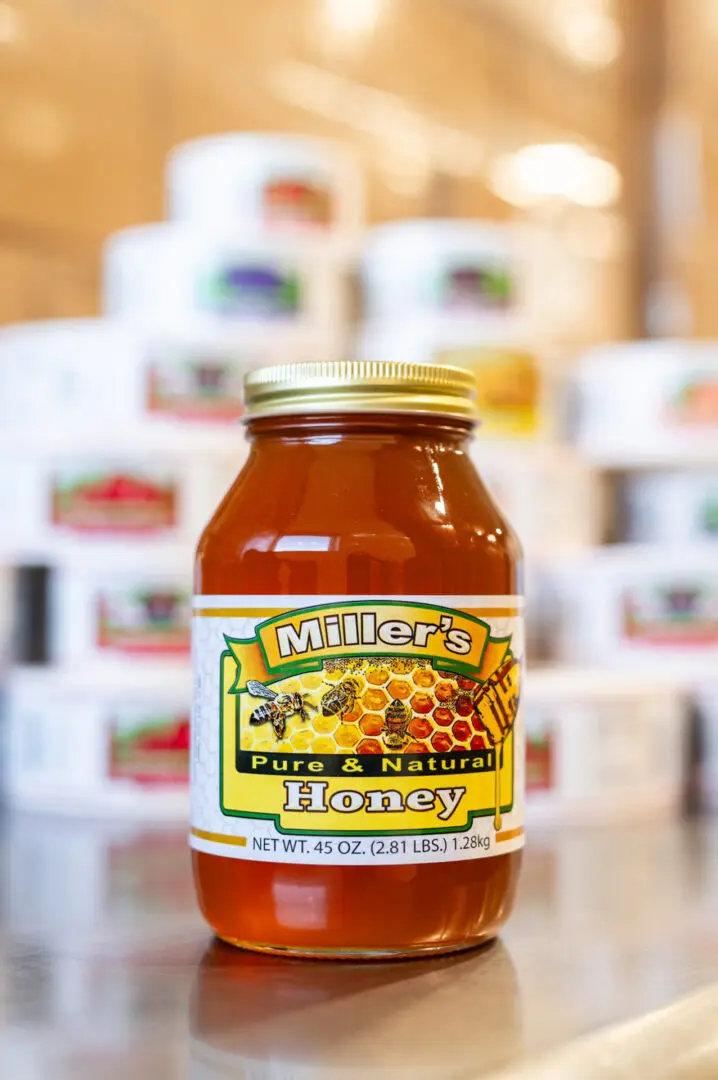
(106, 970)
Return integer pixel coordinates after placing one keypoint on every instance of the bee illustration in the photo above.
(397, 718)
(341, 698)
(277, 708)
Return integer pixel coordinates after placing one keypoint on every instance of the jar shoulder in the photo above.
(415, 510)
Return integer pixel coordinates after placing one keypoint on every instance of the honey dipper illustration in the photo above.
(496, 704)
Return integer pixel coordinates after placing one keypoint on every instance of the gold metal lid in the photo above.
(365, 386)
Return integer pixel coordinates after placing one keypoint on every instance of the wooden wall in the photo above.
(689, 180)
(94, 93)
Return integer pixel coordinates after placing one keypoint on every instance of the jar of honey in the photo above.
(357, 760)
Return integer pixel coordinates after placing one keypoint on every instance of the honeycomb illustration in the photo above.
(388, 705)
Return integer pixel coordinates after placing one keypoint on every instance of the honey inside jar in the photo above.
(358, 610)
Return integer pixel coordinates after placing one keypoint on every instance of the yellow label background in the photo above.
(264, 795)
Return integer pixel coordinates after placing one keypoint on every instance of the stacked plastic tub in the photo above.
(119, 438)
(649, 414)
(104, 497)
(450, 291)
(646, 606)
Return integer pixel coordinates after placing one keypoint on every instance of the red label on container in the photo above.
(539, 761)
(696, 403)
(208, 389)
(114, 502)
(143, 621)
(150, 749)
(683, 614)
(289, 201)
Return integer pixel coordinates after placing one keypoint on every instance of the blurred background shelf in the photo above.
(525, 190)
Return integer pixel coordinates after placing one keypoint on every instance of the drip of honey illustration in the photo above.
(496, 705)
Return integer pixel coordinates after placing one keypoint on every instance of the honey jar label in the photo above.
(353, 731)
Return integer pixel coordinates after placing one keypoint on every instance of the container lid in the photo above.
(361, 386)
(287, 148)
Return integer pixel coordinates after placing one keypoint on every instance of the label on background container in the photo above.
(708, 516)
(476, 287)
(299, 201)
(695, 402)
(149, 748)
(684, 613)
(508, 387)
(539, 760)
(143, 620)
(114, 500)
(207, 388)
(251, 291)
(353, 731)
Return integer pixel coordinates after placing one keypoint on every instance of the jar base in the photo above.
(413, 952)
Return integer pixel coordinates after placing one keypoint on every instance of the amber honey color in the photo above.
(360, 505)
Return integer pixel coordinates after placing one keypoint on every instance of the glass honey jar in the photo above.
(357, 759)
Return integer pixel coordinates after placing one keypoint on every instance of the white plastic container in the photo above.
(707, 702)
(171, 271)
(61, 495)
(602, 747)
(645, 403)
(98, 884)
(554, 501)
(125, 604)
(82, 743)
(517, 397)
(442, 267)
(640, 607)
(84, 374)
(672, 507)
(7, 600)
(276, 184)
